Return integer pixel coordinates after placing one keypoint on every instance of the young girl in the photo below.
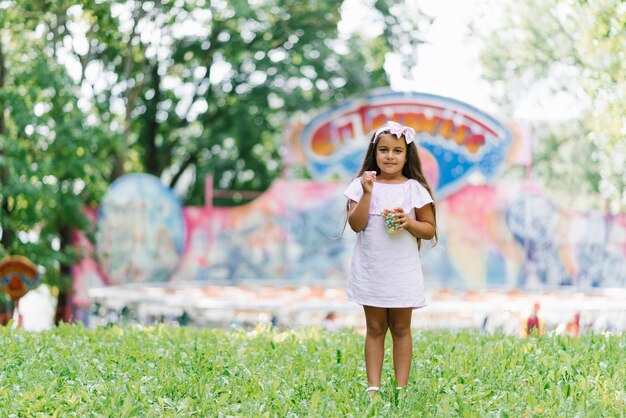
(385, 274)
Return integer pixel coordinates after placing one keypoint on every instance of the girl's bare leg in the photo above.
(377, 321)
(400, 326)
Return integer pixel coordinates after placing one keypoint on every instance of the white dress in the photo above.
(386, 271)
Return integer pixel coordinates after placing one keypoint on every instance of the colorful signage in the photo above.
(454, 138)
(141, 231)
(17, 276)
(506, 234)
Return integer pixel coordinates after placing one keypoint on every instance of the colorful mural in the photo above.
(510, 235)
(455, 139)
(292, 232)
(506, 235)
(492, 235)
(140, 231)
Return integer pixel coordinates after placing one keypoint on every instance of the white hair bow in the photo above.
(398, 130)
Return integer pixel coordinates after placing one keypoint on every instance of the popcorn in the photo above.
(390, 219)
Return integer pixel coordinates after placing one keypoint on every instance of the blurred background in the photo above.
(184, 161)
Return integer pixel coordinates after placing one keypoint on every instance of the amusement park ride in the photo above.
(18, 275)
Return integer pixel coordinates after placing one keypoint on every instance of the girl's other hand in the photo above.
(367, 181)
(402, 219)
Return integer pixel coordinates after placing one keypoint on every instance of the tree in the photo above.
(572, 47)
(91, 89)
(52, 157)
(200, 88)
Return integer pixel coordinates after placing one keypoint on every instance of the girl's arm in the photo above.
(359, 212)
(424, 226)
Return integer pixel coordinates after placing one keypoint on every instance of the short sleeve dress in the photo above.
(386, 271)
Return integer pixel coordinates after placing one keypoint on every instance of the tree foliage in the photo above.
(200, 88)
(577, 48)
(51, 162)
(91, 90)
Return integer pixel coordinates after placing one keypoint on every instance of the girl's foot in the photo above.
(401, 392)
(372, 392)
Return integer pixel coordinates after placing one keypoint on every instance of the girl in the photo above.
(385, 274)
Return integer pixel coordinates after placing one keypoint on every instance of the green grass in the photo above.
(178, 372)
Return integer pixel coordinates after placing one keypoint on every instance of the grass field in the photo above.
(179, 372)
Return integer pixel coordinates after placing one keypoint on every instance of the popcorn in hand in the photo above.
(390, 219)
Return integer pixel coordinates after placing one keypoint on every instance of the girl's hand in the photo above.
(402, 218)
(367, 181)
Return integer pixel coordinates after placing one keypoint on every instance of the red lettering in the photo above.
(460, 134)
(424, 124)
(474, 143)
(445, 128)
(321, 142)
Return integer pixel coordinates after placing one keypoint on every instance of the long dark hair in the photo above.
(412, 169)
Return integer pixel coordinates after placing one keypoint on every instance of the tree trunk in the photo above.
(151, 126)
(6, 311)
(64, 303)
(131, 95)
(64, 308)
(2, 75)
(8, 234)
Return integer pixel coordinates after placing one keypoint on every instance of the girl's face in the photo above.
(390, 155)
